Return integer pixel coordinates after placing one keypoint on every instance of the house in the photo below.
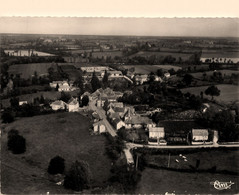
(99, 127)
(110, 111)
(140, 79)
(120, 111)
(53, 84)
(117, 123)
(156, 136)
(113, 116)
(73, 105)
(156, 132)
(22, 102)
(157, 78)
(138, 122)
(58, 105)
(94, 68)
(64, 87)
(113, 105)
(96, 116)
(199, 136)
(167, 75)
(114, 74)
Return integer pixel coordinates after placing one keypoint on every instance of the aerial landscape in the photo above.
(119, 114)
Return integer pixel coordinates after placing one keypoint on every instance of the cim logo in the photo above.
(222, 185)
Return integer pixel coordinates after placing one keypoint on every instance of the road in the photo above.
(133, 145)
(102, 115)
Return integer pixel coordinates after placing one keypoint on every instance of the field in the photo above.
(27, 70)
(146, 69)
(51, 95)
(219, 54)
(106, 54)
(199, 75)
(154, 181)
(64, 134)
(184, 56)
(224, 159)
(229, 93)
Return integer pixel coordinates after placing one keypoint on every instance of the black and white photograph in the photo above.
(93, 104)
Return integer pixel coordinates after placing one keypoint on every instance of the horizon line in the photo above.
(191, 36)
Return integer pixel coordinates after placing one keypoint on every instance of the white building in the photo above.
(99, 127)
(199, 136)
(22, 102)
(156, 136)
(73, 105)
(64, 87)
(58, 105)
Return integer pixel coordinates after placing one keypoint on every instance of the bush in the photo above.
(16, 143)
(79, 176)
(56, 165)
(7, 117)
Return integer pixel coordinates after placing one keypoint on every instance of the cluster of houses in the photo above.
(99, 71)
(124, 116)
(71, 106)
(63, 86)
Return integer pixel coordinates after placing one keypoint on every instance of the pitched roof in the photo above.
(114, 115)
(96, 115)
(200, 132)
(119, 109)
(73, 101)
(116, 121)
(114, 72)
(98, 123)
(135, 119)
(156, 129)
(58, 103)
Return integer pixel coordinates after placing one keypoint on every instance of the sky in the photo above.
(206, 27)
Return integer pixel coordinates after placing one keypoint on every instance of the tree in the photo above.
(16, 143)
(212, 91)
(105, 78)
(187, 79)
(57, 87)
(65, 97)
(85, 100)
(56, 165)
(7, 117)
(79, 176)
(14, 102)
(95, 83)
(151, 77)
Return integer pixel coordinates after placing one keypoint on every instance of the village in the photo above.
(121, 119)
